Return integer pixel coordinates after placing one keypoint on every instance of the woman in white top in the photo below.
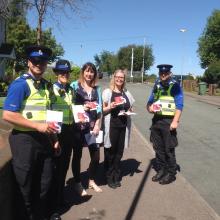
(117, 101)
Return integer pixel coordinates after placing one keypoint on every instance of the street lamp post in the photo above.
(182, 30)
(132, 61)
(142, 72)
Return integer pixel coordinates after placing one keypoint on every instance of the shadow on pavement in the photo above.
(138, 193)
(128, 167)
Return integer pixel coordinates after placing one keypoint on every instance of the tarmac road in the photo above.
(198, 151)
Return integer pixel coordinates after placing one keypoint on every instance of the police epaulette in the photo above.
(25, 76)
(173, 81)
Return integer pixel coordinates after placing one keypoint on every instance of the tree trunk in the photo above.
(39, 31)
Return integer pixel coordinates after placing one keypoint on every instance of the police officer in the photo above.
(64, 96)
(32, 141)
(166, 103)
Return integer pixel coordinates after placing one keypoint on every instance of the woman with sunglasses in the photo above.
(117, 104)
(63, 102)
(88, 94)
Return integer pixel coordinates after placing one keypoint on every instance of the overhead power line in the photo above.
(106, 39)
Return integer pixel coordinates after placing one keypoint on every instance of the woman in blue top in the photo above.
(86, 93)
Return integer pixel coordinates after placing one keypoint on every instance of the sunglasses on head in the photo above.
(37, 61)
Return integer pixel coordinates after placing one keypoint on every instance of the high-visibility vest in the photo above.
(34, 107)
(63, 103)
(166, 101)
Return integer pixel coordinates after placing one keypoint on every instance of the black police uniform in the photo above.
(32, 159)
(61, 162)
(164, 140)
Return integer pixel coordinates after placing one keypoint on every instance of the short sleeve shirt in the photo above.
(18, 91)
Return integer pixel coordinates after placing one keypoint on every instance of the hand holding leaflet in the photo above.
(79, 114)
(55, 118)
(93, 105)
(119, 100)
(157, 106)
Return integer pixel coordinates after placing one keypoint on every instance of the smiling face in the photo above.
(119, 79)
(37, 67)
(63, 77)
(88, 75)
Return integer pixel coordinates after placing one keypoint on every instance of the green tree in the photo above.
(209, 42)
(106, 62)
(124, 57)
(20, 34)
(51, 8)
(212, 73)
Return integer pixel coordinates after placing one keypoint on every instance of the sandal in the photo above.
(92, 185)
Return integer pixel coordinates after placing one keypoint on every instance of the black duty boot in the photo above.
(167, 179)
(111, 184)
(55, 216)
(160, 174)
(117, 179)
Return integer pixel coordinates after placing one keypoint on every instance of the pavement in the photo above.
(212, 100)
(138, 198)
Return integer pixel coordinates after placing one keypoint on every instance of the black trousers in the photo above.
(79, 142)
(114, 154)
(164, 143)
(32, 166)
(60, 168)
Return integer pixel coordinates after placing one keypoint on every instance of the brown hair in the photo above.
(112, 82)
(92, 68)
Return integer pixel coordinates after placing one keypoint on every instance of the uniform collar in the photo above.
(60, 85)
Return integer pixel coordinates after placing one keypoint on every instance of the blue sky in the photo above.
(112, 24)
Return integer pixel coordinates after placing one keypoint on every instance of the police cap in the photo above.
(62, 66)
(164, 68)
(38, 51)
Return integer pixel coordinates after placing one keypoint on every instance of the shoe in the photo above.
(117, 183)
(160, 174)
(92, 185)
(112, 185)
(55, 216)
(80, 190)
(169, 178)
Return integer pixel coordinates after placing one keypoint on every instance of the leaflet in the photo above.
(92, 138)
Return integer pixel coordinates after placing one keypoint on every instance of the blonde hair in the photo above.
(92, 68)
(112, 82)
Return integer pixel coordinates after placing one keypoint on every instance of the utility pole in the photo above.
(132, 61)
(182, 30)
(142, 72)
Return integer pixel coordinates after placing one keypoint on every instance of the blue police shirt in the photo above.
(176, 92)
(18, 91)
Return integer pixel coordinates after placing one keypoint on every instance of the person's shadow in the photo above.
(71, 197)
(128, 167)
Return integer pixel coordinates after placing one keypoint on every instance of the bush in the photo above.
(212, 74)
